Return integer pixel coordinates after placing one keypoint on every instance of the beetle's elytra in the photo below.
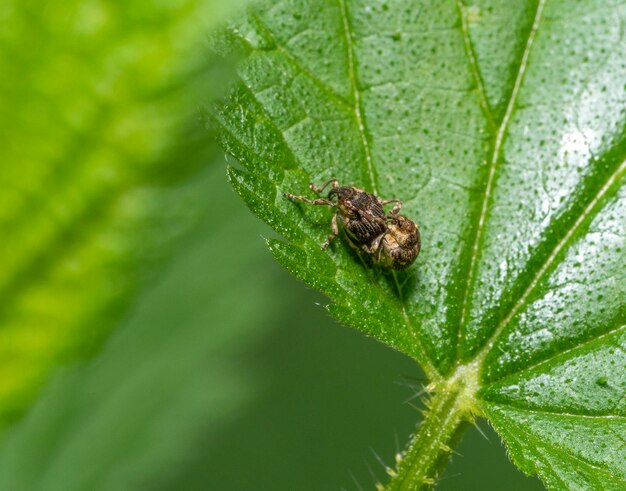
(390, 239)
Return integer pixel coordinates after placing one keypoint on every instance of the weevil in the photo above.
(390, 239)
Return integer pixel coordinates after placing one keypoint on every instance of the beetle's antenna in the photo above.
(334, 182)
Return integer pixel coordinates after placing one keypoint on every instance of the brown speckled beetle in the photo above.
(390, 239)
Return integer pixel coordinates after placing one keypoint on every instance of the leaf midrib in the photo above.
(588, 212)
(494, 160)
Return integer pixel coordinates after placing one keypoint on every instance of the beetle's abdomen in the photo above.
(401, 244)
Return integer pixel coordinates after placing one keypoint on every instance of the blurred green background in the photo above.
(221, 371)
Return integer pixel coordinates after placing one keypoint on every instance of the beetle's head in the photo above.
(342, 193)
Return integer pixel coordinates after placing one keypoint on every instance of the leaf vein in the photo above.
(360, 120)
(560, 246)
(563, 354)
(356, 94)
(570, 456)
(567, 415)
(299, 66)
(495, 158)
(473, 63)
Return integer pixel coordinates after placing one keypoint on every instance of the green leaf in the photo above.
(100, 151)
(502, 128)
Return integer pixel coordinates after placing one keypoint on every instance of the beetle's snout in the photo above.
(334, 192)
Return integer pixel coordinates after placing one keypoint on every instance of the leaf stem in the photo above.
(449, 410)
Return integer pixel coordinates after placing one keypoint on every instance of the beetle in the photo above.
(390, 239)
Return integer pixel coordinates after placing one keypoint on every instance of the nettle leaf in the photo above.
(100, 171)
(501, 126)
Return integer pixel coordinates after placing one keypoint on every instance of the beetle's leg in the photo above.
(319, 201)
(396, 208)
(334, 182)
(334, 229)
(377, 246)
(351, 242)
